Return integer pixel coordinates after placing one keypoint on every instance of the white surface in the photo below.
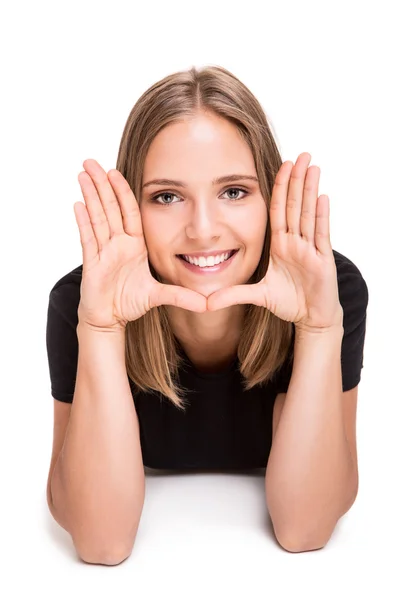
(325, 73)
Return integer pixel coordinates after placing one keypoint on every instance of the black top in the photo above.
(223, 426)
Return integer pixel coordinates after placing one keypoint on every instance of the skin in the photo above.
(203, 217)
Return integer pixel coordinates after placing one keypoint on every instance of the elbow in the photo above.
(97, 553)
(312, 537)
(97, 546)
(106, 547)
(305, 539)
(103, 554)
(296, 543)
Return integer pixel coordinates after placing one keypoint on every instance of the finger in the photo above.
(237, 294)
(88, 239)
(132, 219)
(95, 210)
(309, 206)
(106, 194)
(277, 212)
(175, 295)
(295, 193)
(322, 229)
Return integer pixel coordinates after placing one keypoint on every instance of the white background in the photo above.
(326, 75)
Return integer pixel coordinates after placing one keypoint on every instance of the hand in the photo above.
(301, 280)
(117, 285)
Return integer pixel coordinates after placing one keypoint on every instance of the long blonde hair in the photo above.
(152, 353)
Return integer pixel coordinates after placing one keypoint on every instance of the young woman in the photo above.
(210, 326)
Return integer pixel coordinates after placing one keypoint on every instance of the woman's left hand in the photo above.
(301, 281)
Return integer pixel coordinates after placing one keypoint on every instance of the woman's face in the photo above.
(196, 214)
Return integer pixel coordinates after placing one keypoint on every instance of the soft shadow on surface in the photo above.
(60, 537)
(260, 472)
(158, 472)
(63, 540)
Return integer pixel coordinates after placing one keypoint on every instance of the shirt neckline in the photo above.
(218, 375)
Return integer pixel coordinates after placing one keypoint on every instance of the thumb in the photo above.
(175, 295)
(237, 294)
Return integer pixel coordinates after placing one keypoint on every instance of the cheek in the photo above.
(254, 227)
(154, 231)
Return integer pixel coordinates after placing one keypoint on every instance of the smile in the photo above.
(224, 264)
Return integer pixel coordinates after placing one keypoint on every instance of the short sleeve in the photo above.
(62, 342)
(353, 297)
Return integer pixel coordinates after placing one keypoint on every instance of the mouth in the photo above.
(209, 269)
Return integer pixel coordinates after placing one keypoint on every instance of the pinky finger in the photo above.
(90, 249)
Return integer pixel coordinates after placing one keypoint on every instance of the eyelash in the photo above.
(154, 198)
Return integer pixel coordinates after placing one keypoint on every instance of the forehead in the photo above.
(202, 144)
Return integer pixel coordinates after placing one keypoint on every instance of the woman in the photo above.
(249, 359)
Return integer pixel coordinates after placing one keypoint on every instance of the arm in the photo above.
(311, 479)
(98, 484)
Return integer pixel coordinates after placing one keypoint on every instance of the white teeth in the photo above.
(210, 261)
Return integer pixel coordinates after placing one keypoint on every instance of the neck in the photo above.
(206, 328)
(210, 340)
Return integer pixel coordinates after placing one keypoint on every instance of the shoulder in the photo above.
(72, 280)
(353, 290)
(353, 297)
(61, 336)
(350, 278)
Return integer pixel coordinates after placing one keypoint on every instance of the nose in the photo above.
(203, 221)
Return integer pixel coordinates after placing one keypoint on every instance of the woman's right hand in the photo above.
(117, 285)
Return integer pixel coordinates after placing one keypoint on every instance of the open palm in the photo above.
(301, 281)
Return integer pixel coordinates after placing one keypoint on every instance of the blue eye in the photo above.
(155, 198)
(236, 190)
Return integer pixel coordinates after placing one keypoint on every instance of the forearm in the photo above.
(310, 476)
(98, 484)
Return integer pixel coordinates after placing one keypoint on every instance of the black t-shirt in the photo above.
(223, 427)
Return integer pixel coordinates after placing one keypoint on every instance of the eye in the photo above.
(236, 190)
(155, 198)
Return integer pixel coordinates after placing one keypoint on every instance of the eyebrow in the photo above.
(223, 179)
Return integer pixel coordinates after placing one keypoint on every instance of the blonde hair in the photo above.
(152, 353)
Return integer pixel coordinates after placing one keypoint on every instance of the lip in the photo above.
(208, 270)
(209, 253)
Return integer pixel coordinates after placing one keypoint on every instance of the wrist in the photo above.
(316, 335)
(334, 327)
(84, 326)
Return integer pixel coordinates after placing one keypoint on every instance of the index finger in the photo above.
(106, 195)
(128, 203)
